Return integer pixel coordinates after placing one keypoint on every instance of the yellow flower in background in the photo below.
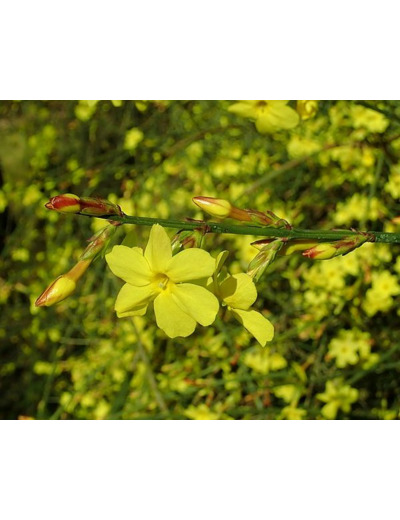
(264, 361)
(345, 352)
(393, 185)
(349, 347)
(307, 109)
(201, 413)
(380, 296)
(132, 139)
(269, 116)
(238, 293)
(157, 276)
(292, 413)
(337, 396)
(369, 119)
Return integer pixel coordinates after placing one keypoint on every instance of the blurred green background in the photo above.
(336, 351)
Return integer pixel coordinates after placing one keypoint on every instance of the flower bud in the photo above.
(289, 246)
(187, 239)
(63, 286)
(323, 251)
(99, 241)
(307, 109)
(59, 290)
(264, 258)
(267, 219)
(94, 207)
(218, 208)
(67, 203)
(327, 250)
(221, 208)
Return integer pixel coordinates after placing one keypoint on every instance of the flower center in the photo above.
(161, 281)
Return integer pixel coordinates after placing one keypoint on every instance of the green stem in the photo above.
(254, 230)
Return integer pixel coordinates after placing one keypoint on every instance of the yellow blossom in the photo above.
(238, 293)
(132, 139)
(289, 393)
(337, 396)
(264, 361)
(269, 116)
(307, 109)
(301, 146)
(349, 347)
(369, 119)
(292, 413)
(379, 297)
(393, 185)
(201, 413)
(358, 207)
(157, 276)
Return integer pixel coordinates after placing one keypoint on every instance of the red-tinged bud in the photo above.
(218, 208)
(222, 209)
(187, 239)
(289, 246)
(259, 244)
(99, 241)
(323, 251)
(268, 219)
(63, 286)
(99, 207)
(328, 250)
(67, 203)
(94, 207)
(264, 258)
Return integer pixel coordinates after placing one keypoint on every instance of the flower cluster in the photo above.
(185, 289)
(269, 116)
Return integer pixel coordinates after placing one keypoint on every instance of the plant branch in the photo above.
(254, 230)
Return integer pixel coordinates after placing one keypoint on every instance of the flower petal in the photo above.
(276, 118)
(190, 264)
(158, 251)
(221, 258)
(238, 291)
(129, 264)
(261, 328)
(171, 318)
(133, 299)
(196, 301)
(137, 311)
(244, 109)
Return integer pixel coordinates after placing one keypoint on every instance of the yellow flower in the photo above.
(269, 116)
(264, 361)
(337, 396)
(238, 293)
(292, 413)
(157, 276)
(201, 413)
(349, 346)
(344, 352)
(367, 118)
(307, 109)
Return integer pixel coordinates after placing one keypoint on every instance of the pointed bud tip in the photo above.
(58, 290)
(67, 203)
(218, 208)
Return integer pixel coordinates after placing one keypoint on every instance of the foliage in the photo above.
(335, 353)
